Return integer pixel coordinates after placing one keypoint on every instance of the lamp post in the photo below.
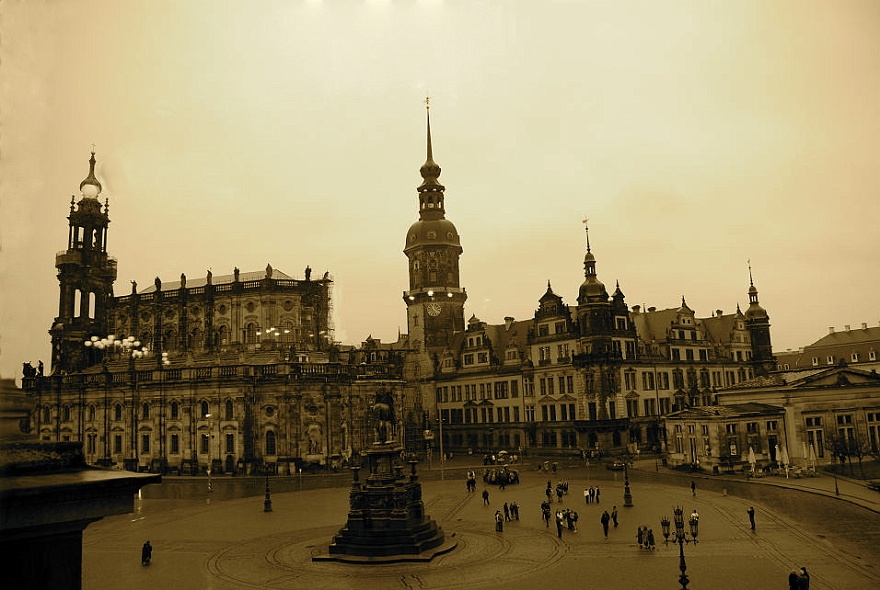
(681, 536)
(267, 503)
(442, 455)
(627, 496)
(210, 436)
(163, 361)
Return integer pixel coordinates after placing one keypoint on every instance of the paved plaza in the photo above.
(224, 544)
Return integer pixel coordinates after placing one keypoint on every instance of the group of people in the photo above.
(565, 518)
(645, 538)
(591, 495)
(505, 514)
(560, 490)
(799, 580)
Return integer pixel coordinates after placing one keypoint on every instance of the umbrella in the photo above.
(812, 456)
(752, 459)
(804, 445)
(778, 457)
(785, 460)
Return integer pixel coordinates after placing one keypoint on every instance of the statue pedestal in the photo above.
(387, 520)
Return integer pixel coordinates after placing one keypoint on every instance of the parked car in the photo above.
(874, 484)
(616, 466)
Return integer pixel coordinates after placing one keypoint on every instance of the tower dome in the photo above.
(90, 187)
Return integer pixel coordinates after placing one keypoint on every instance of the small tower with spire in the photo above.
(594, 316)
(435, 299)
(85, 275)
(758, 325)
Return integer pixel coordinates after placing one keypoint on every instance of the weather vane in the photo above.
(427, 103)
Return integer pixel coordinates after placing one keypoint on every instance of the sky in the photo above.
(698, 137)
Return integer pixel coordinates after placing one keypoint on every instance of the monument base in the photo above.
(387, 521)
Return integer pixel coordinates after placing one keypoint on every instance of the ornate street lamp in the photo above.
(664, 524)
(267, 503)
(681, 537)
(627, 496)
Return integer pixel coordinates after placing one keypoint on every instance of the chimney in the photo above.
(864, 325)
(831, 329)
(652, 309)
(846, 326)
(719, 313)
(508, 321)
(637, 308)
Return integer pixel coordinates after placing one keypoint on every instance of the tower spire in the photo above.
(430, 171)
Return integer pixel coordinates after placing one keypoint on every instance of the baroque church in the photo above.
(240, 373)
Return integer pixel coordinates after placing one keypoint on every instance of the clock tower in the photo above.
(435, 299)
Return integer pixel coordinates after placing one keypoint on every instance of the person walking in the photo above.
(640, 537)
(793, 580)
(606, 518)
(499, 522)
(146, 553)
(560, 523)
(506, 512)
(693, 488)
(597, 494)
(545, 513)
(614, 515)
(804, 580)
(751, 513)
(586, 496)
(650, 538)
(485, 497)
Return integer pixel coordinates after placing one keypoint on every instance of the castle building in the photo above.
(592, 377)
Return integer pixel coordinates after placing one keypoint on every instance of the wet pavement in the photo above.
(233, 543)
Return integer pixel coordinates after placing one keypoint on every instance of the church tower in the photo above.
(85, 276)
(758, 325)
(435, 299)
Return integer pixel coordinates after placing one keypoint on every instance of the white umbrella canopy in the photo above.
(778, 455)
(806, 457)
(752, 459)
(812, 456)
(785, 457)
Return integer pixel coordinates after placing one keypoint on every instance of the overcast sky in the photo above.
(694, 135)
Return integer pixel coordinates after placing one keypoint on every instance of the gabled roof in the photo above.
(726, 412)
(817, 377)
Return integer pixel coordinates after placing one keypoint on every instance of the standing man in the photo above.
(693, 488)
(605, 520)
(560, 523)
(499, 522)
(751, 512)
(614, 515)
(485, 497)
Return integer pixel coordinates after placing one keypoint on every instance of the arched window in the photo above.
(65, 413)
(117, 412)
(47, 415)
(250, 333)
(270, 442)
(92, 412)
(145, 411)
(175, 411)
(204, 409)
(229, 409)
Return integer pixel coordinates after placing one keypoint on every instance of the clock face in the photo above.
(434, 309)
